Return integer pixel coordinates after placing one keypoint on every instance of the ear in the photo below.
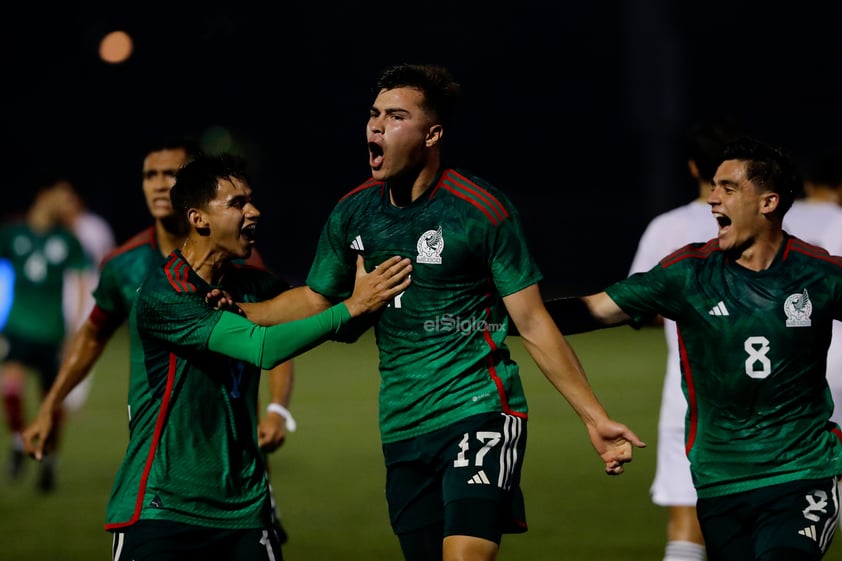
(196, 219)
(769, 202)
(434, 135)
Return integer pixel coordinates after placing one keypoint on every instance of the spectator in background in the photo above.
(97, 239)
(692, 222)
(42, 252)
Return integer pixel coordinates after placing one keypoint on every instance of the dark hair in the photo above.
(190, 146)
(826, 168)
(442, 93)
(768, 166)
(705, 141)
(196, 182)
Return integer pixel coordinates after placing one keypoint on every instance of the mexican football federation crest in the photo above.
(798, 308)
(430, 246)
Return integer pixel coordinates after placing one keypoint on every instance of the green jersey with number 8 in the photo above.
(753, 347)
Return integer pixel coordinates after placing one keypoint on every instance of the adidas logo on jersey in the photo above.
(479, 478)
(719, 310)
(357, 244)
(809, 532)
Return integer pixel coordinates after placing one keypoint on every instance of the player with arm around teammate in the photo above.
(192, 483)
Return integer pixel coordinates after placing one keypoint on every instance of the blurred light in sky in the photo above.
(115, 47)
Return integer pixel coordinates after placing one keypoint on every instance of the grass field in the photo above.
(329, 475)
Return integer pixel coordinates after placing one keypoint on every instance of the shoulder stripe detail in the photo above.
(176, 269)
(460, 186)
(805, 248)
(691, 251)
(144, 237)
(367, 185)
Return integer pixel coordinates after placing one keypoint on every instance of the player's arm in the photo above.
(266, 347)
(579, 314)
(273, 427)
(302, 301)
(82, 352)
(558, 362)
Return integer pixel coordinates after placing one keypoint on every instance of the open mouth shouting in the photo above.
(248, 232)
(723, 221)
(375, 155)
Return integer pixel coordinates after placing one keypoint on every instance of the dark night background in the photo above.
(576, 110)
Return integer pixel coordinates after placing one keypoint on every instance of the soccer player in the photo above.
(119, 276)
(452, 409)
(672, 486)
(192, 484)
(754, 309)
(42, 253)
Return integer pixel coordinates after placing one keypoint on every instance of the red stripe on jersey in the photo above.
(838, 433)
(102, 320)
(692, 406)
(153, 447)
(177, 270)
(144, 237)
(690, 251)
(474, 194)
(370, 183)
(492, 371)
(805, 248)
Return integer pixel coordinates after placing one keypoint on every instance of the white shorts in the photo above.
(673, 484)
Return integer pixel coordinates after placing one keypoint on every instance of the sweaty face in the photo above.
(737, 206)
(232, 217)
(397, 131)
(159, 169)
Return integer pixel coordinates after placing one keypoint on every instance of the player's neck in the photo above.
(761, 253)
(204, 260)
(408, 188)
(169, 236)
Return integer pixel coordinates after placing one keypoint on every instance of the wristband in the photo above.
(279, 409)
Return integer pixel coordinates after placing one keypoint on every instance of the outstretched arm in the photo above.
(84, 349)
(558, 362)
(578, 314)
(240, 338)
(302, 301)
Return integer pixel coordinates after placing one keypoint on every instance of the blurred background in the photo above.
(577, 111)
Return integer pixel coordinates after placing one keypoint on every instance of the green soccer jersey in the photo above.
(753, 349)
(40, 261)
(122, 272)
(441, 342)
(193, 455)
(124, 269)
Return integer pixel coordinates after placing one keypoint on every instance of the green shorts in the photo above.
(799, 516)
(43, 358)
(464, 477)
(162, 540)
